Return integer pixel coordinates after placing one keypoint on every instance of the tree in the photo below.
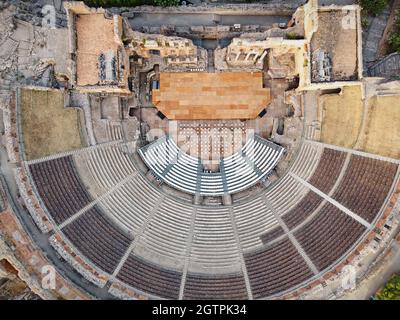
(166, 3)
(373, 7)
(394, 42)
(117, 3)
(391, 291)
(394, 38)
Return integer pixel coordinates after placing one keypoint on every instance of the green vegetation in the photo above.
(364, 21)
(394, 38)
(394, 42)
(166, 3)
(373, 7)
(293, 36)
(130, 3)
(391, 291)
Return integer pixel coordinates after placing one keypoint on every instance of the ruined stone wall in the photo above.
(145, 44)
(29, 261)
(273, 8)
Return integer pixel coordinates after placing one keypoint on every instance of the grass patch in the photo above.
(47, 126)
(342, 117)
(382, 128)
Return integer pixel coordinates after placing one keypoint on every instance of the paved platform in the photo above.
(89, 47)
(211, 96)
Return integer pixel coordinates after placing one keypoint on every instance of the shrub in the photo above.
(293, 36)
(364, 22)
(373, 7)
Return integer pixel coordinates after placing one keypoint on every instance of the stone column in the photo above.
(255, 57)
(264, 54)
(237, 56)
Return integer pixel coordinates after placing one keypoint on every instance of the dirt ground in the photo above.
(342, 117)
(89, 47)
(337, 35)
(47, 126)
(382, 130)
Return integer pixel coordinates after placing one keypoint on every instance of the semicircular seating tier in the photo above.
(286, 237)
(240, 171)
